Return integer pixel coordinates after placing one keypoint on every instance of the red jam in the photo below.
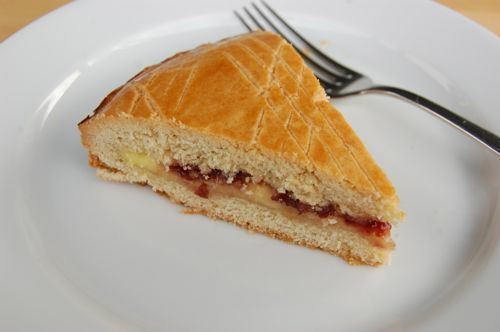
(193, 173)
(202, 190)
(371, 226)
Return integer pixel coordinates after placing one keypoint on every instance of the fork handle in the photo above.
(483, 136)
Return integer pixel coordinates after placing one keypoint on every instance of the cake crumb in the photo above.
(332, 221)
(191, 211)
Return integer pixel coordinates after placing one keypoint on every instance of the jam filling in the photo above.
(193, 173)
(369, 225)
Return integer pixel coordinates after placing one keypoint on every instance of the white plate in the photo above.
(79, 254)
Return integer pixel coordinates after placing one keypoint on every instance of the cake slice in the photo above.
(242, 131)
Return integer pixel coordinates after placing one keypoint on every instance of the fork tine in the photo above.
(314, 49)
(242, 20)
(257, 23)
(340, 78)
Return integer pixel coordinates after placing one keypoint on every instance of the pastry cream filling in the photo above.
(216, 183)
(141, 160)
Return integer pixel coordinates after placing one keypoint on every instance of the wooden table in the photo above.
(14, 14)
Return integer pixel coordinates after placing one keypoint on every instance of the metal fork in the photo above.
(341, 81)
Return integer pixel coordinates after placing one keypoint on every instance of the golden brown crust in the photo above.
(253, 90)
(113, 93)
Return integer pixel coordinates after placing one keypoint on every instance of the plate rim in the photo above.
(26, 31)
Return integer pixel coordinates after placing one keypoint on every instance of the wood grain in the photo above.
(484, 12)
(15, 14)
